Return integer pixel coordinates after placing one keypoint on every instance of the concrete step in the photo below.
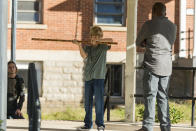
(22, 125)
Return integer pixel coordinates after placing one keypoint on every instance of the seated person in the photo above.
(15, 93)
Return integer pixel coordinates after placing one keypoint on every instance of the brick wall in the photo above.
(60, 16)
(145, 9)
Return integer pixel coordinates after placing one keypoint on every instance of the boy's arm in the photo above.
(82, 52)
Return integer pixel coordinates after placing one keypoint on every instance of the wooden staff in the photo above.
(83, 42)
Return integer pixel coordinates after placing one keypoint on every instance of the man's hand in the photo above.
(143, 44)
(18, 112)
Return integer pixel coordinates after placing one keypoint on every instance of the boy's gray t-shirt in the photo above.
(95, 66)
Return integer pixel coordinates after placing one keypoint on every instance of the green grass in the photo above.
(78, 114)
(68, 114)
(116, 114)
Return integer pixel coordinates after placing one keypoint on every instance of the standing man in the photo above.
(94, 76)
(157, 36)
(15, 93)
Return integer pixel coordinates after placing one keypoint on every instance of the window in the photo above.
(29, 11)
(116, 79)
(109, 12)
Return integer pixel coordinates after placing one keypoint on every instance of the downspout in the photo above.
(13, 29)
(182, 31)
(194, 46)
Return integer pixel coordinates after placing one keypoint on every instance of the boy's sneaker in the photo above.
(142, 129)
(84, 128)
(100, 128)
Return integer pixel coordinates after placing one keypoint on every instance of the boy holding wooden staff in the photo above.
(94, 76)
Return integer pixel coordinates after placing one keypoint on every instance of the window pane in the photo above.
(28, 16)
(117, 79)
(109, 0)
(102, 8)
(109, 19)
(28, 5)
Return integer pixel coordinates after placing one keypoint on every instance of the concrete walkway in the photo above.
(22, 125)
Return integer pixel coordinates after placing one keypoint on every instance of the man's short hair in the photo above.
(159, 9)
(96, 31)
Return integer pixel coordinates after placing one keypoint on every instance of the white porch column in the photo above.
(3, 62)
(130, 72)
(182, 32)
(194, 46)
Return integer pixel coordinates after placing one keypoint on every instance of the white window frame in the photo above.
(122, 13)
(30, 22)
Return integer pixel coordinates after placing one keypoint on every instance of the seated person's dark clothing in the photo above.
(15, 97)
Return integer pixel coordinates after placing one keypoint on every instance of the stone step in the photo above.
(22, 125)
(55, 125)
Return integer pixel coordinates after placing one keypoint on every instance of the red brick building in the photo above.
(59, 63)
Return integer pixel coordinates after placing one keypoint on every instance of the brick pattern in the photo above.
(62, 18)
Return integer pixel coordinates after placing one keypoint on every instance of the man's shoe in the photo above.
(84, 128)
(100, 128)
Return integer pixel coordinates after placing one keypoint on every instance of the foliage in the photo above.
(176, 114)
(139, 112)
(0, 125)
(180, 112)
